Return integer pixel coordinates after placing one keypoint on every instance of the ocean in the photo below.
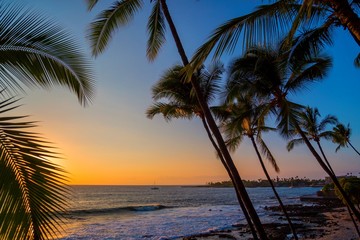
(169, 212)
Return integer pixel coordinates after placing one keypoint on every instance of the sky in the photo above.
(112, 142)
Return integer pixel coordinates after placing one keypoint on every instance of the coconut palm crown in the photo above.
(180, 98)
(341, 135)
(314, 129)
(273, 74)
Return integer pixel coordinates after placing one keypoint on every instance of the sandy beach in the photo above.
(311, 222)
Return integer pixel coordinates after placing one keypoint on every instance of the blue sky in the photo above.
(112, 141)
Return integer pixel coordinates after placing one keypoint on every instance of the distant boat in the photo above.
(154, 187)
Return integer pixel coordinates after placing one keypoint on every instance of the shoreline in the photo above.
(322, 222)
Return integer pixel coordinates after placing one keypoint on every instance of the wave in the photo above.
(101, 211)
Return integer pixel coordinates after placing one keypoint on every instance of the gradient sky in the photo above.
(112, 141)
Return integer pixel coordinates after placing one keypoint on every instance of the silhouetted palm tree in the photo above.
(243, 117)
(120, 13)
(34, 52)
(341, 136)
(174, 98)
(272, 75)
(314, 129)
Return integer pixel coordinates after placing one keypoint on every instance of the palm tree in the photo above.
(341, 136)
(273, 74)
(35, 52)
(120, 13)
(32, 187)
(314, 129)
(268, 23)
(180, 102)
(243, 117)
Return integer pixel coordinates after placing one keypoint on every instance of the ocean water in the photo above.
(170, 212)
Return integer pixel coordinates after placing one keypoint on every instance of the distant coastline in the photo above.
(283, 182)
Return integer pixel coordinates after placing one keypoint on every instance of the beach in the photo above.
(188, 213)
(312, 222)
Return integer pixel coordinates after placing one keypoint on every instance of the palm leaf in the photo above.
(274, 18)
(32, 187)
(36, 52)
(307, 13)
(291, 144)
(210, 81)
(357, 61)
(310, 42)
(170, 110)
(267, 153)
(91, 4)
(156, 31)
(308, 72)
(105, 24)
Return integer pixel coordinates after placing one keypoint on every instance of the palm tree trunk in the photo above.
(325, 158)
(353, 220)
(243, 208)
(353, 148)
(347, 17)
(234, 174)
(327, 170)
(273, 188)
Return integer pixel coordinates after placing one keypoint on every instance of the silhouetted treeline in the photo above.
(279, 182)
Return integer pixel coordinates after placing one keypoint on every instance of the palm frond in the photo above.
(234, 142)
(308, 72)
(210, 81)
(36, 52)
(103, 27)
(357, 61)
(310, 42)
(287, 116)
(341, 135)
(264, 25)
(91, 4)
(171, 87)
(308, 12)
(156, 31)
(291, 144)
(327, 120)
(169, 111)
(32, 187)
(267, 153)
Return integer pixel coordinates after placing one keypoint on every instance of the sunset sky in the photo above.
(112, 142)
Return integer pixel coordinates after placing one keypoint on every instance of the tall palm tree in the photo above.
(273, 74)
(314, 129)
(35, 52)
(33, 193)
(120, 13)
(341, 136)
(174, 98)
(243, 117)
(269, 22)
